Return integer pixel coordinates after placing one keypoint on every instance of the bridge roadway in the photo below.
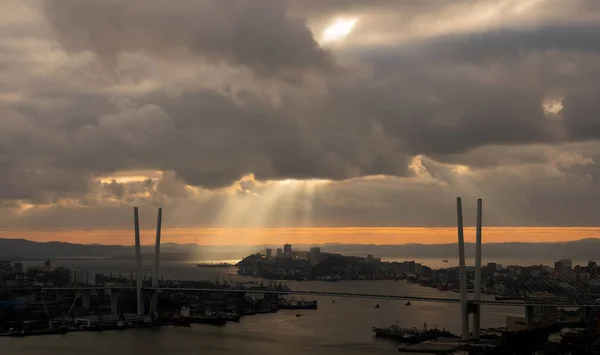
(304, 293)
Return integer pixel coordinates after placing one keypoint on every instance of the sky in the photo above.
(261, 120)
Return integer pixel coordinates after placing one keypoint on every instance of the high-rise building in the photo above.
(370, 258)
(287, 251)
(315, 254)
(269, 253)
(19, 268)
(279, 253)
(417, 269)
(411, 267)
(82, 277)
(567, 263)
(49, 265)
(592, 266)
(541, 316)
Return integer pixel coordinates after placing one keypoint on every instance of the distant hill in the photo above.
(21, 249)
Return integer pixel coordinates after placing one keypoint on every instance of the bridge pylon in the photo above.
(465, 306)
(155, 269)
(138, 263)
(462, 272)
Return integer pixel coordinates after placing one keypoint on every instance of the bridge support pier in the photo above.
(114, 301)
(154, 302)
(464, 305)
(85, 300)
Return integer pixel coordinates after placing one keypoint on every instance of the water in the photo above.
(340, 327)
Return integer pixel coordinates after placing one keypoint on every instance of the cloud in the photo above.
(193, 96)
(258, 34)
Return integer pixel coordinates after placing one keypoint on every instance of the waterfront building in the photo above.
(287, 251)
(269, 253)
(279, 253)
(82, 277)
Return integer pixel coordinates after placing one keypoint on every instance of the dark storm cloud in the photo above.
(509, 43)
(581, 114)
(470, 97)
(414, 8)
(254, 33)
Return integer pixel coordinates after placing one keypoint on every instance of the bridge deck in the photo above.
(307, 293)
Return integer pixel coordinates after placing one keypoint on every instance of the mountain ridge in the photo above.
(578, 250)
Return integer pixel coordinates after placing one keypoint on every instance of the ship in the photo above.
(206, 317)
(32, 332)
(232, 317)
(302, 304)
(397, 333)
(411, 335)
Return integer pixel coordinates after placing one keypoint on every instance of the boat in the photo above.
(411, 335)
(407, 303)
(302, 304)
(32, 332)
(208, 317)
(298, 315)
(377, 305)
(232, 317)
(397, 333)
(445, 261)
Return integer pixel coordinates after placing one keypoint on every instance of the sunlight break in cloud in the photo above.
(338, 30)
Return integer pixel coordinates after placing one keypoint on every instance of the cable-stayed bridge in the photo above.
(509, 303)
(467, 305)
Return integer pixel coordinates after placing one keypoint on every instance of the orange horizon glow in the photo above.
(347, 235)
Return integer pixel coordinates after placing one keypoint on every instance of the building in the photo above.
(541, 316)
(315, 254)
(491, 267)
(49, 265)
(19, 268)
(417, 269)
(82, 277)
(279, 253)
(269, 253)
(592, 267)
(370, 258)
(5, 266)
(287, 251)
(563, 264)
